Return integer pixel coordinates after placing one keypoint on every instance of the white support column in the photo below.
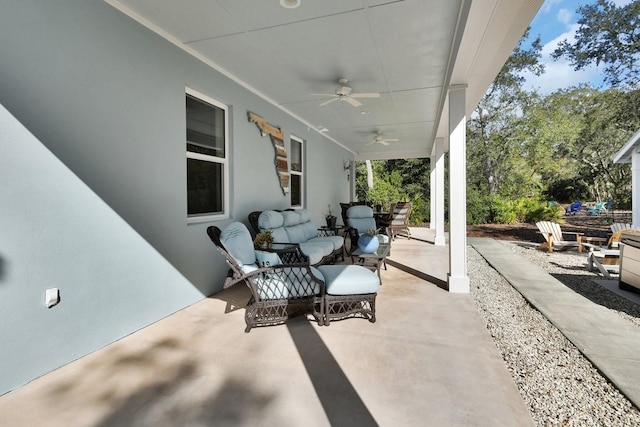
(438, 189)
(458, 279)
(352, 181)
(432, 184)
(635, 185)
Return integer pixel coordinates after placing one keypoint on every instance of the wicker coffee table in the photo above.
(372, 261)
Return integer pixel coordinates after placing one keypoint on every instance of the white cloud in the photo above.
(569, 35)
(619, 3)
(549, 5)
(560, 74)
(565, 16)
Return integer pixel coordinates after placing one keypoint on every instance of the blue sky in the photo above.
(556, 21)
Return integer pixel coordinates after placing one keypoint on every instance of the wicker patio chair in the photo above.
(282, 283)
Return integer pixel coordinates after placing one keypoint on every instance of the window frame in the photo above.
(301, 174)
(224, 161)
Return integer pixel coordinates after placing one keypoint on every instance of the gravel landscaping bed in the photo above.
(560, 386)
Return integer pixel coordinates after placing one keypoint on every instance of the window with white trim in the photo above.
(297, 172)
(207, 158)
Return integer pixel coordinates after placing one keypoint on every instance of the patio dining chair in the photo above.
(398, 223)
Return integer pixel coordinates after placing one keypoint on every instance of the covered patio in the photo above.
(96, 98)
(428, 360)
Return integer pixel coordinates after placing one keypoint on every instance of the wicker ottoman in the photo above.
(350, 292)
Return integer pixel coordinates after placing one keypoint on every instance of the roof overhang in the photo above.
(627, 151)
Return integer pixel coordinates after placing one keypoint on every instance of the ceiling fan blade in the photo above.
(384, 142)
(328, 102)
(365, 95)
(352, 101)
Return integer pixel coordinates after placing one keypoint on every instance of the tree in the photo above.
(571, 136)
(608, 35)
(493, 140)
(612, 118)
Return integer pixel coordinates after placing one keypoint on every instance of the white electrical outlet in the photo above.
(51, 297)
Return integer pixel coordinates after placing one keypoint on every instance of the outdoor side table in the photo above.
(596, 241)
(372, 261)
(338, 230)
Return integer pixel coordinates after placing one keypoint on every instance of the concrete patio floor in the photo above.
(427, 361)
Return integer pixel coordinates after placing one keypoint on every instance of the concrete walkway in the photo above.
(611, 343)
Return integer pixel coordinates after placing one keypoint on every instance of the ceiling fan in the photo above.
(343, 93)
(379, 139)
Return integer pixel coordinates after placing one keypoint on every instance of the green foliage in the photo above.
(609, 35)
(371, 232)
(524, 149)
(479, 205)
(525, 209)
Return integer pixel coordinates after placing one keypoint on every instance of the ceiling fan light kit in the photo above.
(379, 139)
(290, 4)
(345, 93)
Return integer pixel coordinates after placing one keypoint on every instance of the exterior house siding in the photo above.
(93, 172)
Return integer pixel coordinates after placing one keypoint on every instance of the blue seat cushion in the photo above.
(314, 252)
(267, 259)
(336, 241)
(325, 247)
(349, 280)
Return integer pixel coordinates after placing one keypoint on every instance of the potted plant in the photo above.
(263, 239)
(331, 219)
(369, 242)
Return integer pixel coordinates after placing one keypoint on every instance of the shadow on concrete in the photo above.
(419, 274)
(164, 389)
(235, 297)
(341, 402)
(584, 285)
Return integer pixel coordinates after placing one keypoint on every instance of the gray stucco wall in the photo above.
(105, 96)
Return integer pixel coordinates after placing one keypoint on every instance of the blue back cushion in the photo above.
(268, 220)
(237, 240)
(296, 233)
(291, 218)
(361, 217)
(310, 230)
(280, 235)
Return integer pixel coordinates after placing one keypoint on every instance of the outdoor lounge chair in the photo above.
(618, 226)
(359, 220)
(607, 259)
(574, 208)
(283, 284)
(597, 209)
(554, 237)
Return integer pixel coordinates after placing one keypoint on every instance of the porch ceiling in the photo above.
(409, 51)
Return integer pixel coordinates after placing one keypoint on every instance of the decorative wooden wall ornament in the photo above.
(277, 139)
